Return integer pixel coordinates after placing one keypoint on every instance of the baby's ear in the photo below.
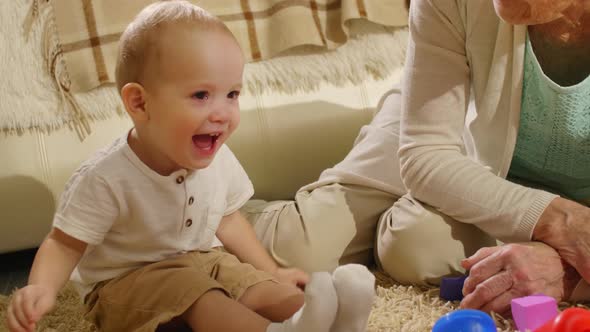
(133, 96)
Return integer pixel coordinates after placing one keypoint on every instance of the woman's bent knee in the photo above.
(418, 245)
(290, 239)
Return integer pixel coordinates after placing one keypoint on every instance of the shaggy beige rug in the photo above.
(396, 309)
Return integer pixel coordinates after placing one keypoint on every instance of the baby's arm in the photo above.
(54, 262)
(238, 237)
(56, 259)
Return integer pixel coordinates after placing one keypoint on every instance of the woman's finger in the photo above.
(488, 290)
(501, 304)
(484, 269)
(482, 253)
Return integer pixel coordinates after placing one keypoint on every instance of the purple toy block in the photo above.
(451, 289)
(530, 312)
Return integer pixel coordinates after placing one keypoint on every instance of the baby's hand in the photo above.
(292, 276)
(27, 307)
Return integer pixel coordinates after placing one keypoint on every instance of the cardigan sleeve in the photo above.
(434, 166)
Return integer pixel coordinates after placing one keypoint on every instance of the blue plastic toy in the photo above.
(451, 289)
(465, 320)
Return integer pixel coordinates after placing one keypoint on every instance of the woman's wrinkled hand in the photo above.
(499, 274)
(565, 226)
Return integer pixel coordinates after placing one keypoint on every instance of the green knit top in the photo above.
(553, 144)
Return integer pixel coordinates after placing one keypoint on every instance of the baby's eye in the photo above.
(203, 95)
(233, 95)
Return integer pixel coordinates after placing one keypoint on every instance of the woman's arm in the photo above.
(436, 93)
(565, 226)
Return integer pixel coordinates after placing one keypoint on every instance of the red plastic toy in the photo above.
(570, 320)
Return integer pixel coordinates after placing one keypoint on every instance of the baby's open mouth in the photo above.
(206, 141)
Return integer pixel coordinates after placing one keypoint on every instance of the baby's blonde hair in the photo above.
(140, 40)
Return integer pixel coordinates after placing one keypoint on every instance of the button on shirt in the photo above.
(131, 216)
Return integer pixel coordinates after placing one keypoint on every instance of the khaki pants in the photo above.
(341, 223)
(338, 224)
(416, 244)
(331, 225)
(143, 299)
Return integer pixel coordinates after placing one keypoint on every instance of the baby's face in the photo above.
(532, 12)
(192, 96)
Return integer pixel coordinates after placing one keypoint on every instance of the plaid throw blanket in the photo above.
(88, 30)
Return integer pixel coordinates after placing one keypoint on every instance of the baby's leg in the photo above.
(274, 301)
(216, 312)
(355, 287)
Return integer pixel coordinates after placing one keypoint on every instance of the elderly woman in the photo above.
(494, 146)
(495, 137)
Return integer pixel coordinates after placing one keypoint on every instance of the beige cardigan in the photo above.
(460, 116)
(459, 123)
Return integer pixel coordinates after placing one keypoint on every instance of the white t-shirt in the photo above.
(131, 216)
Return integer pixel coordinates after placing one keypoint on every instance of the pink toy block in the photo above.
(531, 312)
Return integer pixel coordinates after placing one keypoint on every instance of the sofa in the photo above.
(284, 141)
